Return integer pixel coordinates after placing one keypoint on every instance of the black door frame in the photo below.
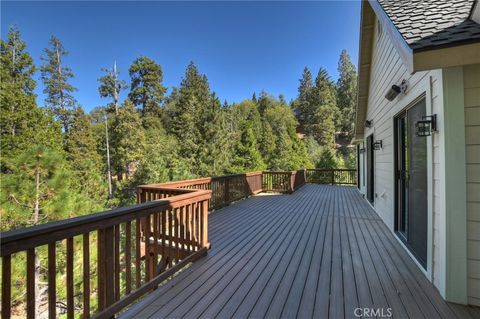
(370, 164)
(397, 198)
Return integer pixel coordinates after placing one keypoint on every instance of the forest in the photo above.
(57, 161)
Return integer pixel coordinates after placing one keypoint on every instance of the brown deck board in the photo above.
(320, 252)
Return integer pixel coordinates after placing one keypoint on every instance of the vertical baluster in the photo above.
(177, 233)
(109, 266)
(128, 257)
(86, 276)
(116, 258)
(182, 227)
(31, 283)
(170, 234)
(163, 231)
(6, 286)
(194, 226)
(148, 259)
(137, 254)
(101, 269)
(155, 243)
(188, 223)
(52, 273)
(70, 304)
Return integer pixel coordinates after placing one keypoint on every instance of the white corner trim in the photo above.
(454, 186)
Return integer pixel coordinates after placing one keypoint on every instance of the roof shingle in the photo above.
(428, 24)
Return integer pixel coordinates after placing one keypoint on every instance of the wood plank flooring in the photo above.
(321, 252)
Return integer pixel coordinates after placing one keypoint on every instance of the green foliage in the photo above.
(84, 159)
(37, 190)
(314, 150)
(146, 88)
(316, 107)
(346, 93)
(329, 159)
(127, 140)
(22, 124)
(55, 77)
(110, 87)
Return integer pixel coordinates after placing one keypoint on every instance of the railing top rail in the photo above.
(30, 237)
(176, 184)
(332, 169)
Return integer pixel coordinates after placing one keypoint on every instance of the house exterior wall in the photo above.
(471, 80)
(387, 69)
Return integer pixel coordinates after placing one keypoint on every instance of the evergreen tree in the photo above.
(22, 123)
(245, 127)
(55, 76)
(302, 104)
(111, 86)
(82, 155)
(127, 140)
(321, 121)
(268, 144)
(214, 154)
(146, 89)
(346, 93)
(188, 112)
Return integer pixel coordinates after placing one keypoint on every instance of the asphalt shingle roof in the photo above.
(427, 24)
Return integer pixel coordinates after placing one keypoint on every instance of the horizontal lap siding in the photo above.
(471, 81)
(387, 69)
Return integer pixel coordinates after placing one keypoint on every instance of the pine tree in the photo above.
(147, 90)
(302, 104)
(214, 154)
(268, 144)
(188, 114)
(346, 93)
(22, 123)
(321, 122)
(111, 86)
(35, 192)
(82, 155)
(127, 140)
(55, 76)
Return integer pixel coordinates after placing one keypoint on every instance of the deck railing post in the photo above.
(292, 181)
(332, 172)
(204, 223)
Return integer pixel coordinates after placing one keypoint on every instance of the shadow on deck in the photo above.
(320, 252)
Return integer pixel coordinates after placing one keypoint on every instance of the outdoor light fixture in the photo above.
(361, 150)
(377, 145)
(368, 123)
(395, 90)
(426, 125)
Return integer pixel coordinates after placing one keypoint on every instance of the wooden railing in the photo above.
(137, 247)
(225, 189)
(283, 182)
(133, 249)
(332, 176)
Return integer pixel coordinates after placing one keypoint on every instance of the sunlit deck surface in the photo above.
(320, 252)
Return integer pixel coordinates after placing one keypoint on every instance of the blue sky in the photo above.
(242, 47)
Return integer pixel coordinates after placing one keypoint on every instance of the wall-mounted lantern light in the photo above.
(361, 150)
(426, 125)
(368, 123)
(395, 90)
(378, 145)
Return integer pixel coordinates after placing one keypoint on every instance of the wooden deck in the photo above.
(320, 252)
